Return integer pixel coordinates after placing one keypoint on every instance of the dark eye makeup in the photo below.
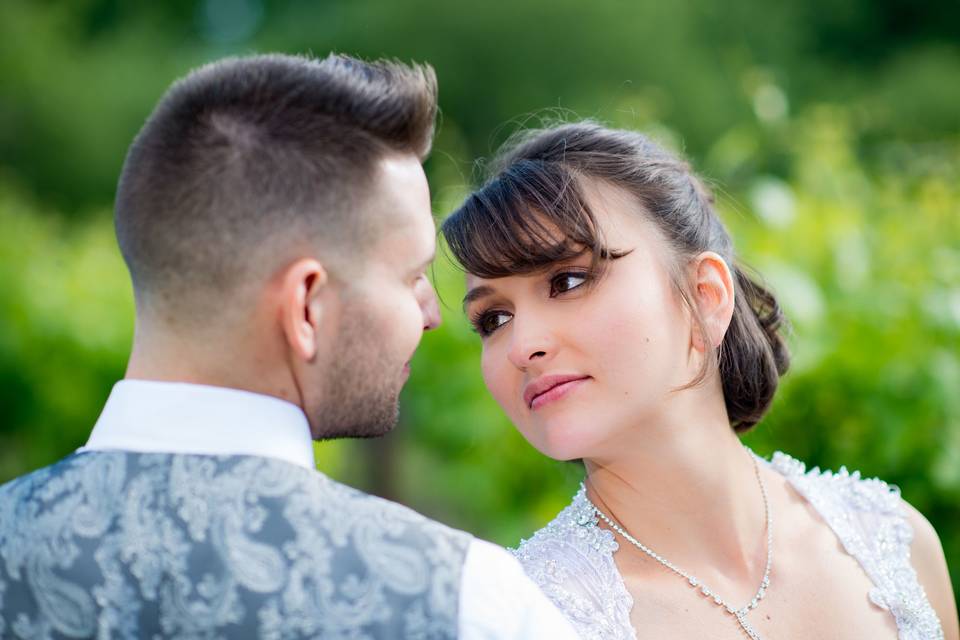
(486, 321)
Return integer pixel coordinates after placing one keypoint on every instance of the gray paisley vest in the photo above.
(130, 545)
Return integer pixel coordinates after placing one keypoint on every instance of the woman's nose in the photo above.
(530, 344)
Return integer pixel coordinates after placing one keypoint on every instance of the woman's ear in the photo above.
(303, 301)
(713, 295)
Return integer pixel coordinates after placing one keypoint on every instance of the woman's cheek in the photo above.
(489, 373)
(497, 378)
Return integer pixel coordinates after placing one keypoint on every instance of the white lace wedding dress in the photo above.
(571, 558)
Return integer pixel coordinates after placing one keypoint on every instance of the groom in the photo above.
(276, 223)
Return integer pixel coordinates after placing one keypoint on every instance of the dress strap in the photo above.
(868, 517)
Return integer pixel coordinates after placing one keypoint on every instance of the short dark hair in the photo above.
(510, 226)
(247, 157)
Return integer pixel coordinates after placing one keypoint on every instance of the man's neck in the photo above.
(162, 357)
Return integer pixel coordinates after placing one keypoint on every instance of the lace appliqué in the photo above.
(867, 516)
(571, 560)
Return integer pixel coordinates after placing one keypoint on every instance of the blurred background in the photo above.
(830, 130)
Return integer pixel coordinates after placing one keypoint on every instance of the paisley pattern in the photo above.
(571, 559)
(128, 545)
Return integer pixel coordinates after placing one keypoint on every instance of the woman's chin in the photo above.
(564, 439)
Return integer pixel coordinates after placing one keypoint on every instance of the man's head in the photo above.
(276, 223)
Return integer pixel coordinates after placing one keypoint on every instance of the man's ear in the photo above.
(303, 289)
(713, 295)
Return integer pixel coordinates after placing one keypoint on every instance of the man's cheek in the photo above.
(409, 321)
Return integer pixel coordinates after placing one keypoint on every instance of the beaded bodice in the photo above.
(571, 558)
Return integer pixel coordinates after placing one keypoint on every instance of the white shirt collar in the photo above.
(175, 417)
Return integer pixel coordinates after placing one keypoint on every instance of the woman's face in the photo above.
(581, 366)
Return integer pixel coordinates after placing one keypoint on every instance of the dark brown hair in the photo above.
(532, 213)
(247, 157)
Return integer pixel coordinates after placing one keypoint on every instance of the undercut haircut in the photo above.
(246, 161)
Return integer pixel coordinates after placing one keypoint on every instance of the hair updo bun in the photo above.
(510, 225)
(754, 354)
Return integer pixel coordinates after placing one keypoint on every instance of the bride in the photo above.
(618, 329)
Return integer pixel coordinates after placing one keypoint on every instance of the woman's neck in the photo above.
(687, 489)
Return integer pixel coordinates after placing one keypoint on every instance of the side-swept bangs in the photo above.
(530, 216)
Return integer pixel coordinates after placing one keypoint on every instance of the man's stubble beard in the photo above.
(361, 388)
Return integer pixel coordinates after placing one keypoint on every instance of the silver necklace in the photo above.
(741, 613)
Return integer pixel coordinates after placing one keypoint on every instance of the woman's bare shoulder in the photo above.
(928, 560)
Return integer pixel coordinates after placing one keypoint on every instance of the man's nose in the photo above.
(430, 307)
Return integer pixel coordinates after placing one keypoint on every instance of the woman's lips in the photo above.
(551, 389)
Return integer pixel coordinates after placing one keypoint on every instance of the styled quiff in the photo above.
(247, 161)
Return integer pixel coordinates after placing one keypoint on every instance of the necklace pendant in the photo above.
(739, 614)
(747, 627)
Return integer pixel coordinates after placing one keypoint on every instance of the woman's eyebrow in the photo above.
(476, 293)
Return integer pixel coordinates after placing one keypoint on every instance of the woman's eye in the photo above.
(564, 282)
(490, 321)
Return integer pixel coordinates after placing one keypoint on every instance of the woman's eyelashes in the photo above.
(567, 281)
(487, 321)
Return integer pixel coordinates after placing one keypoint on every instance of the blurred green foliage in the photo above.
(830, 130)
